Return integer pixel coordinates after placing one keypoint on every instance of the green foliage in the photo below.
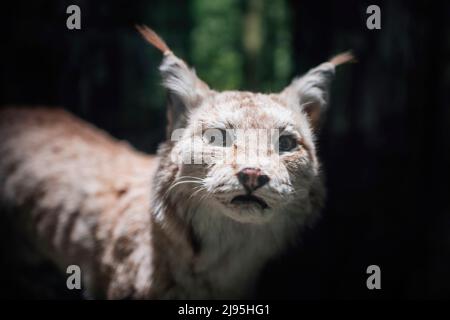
(277, 46)
(238, 44)
(216, 49)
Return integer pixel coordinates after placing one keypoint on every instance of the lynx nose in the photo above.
(252, 178)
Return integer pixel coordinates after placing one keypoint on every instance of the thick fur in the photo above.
(85, 195)
(150, 226)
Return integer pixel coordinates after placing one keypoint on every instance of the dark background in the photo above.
(385, 143)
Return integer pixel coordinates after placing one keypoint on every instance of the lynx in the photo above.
(143, 226)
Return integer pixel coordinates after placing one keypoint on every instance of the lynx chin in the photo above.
(142, 226)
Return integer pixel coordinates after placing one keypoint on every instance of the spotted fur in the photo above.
(144, 226)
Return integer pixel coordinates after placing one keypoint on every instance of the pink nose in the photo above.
(252, 178)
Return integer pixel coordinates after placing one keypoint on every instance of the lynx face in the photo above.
(249, 154)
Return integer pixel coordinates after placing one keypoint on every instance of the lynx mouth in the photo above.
(249, 199)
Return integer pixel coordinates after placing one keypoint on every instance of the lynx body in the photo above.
(144, 226)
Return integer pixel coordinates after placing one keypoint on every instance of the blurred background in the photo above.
(385, 144)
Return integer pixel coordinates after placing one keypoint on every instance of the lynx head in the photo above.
(249, 154)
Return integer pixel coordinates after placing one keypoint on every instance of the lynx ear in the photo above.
(186, 90)
(309, 93)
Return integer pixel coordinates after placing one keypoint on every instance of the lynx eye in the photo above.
(217, 137)
(287, 143)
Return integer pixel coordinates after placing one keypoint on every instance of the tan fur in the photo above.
(342, 58)
(142, 226)
(154, 39)
(87, 195)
